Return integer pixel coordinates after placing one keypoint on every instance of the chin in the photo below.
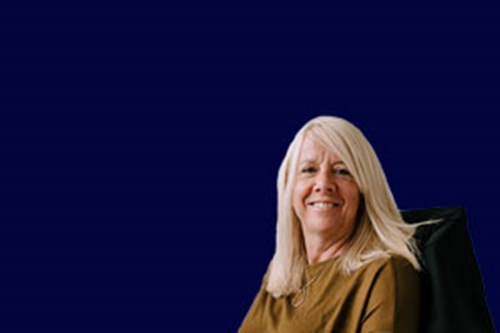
(321, 227)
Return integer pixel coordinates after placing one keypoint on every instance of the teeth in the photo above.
(323, 204)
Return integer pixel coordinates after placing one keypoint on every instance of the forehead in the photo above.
(313, 150)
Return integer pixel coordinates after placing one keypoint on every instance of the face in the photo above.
(325, 196)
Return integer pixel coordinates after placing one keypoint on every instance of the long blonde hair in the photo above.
(380, 229)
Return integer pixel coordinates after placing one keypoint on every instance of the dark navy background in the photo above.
(140, 143)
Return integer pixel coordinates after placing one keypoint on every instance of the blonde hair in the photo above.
(380, 229)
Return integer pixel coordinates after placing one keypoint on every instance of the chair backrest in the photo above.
(452, 292)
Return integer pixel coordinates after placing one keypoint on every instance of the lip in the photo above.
(335, 202)
(326, 209)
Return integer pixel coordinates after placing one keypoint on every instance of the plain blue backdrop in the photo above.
(140, 143)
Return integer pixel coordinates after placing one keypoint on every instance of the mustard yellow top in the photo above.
(380, 297)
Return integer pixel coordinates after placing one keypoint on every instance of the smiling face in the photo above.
(325, 197)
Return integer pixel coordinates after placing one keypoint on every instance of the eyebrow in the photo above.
(313, 161)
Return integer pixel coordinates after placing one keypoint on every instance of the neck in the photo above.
(320, 249)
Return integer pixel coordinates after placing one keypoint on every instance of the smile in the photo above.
(324, 204)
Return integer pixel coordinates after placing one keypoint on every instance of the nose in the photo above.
(324, 183)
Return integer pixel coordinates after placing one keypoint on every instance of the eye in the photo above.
(342, 172)
(308, 170)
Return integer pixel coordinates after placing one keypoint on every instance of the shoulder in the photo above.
(391, 262)
(393, 273)
(392, 279)
(391, 270)
(393, 296)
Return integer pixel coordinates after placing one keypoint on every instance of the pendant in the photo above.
(299, 297)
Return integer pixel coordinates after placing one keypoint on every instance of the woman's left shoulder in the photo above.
(394, 263)
(392, 275)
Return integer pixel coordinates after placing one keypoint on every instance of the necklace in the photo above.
(301, 295)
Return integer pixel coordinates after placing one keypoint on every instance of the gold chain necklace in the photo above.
(301, 295)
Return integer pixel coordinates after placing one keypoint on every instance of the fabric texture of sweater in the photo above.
(381, 296)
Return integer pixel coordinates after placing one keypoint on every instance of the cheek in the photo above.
(353, 197)
(296, 202)
(298, 197)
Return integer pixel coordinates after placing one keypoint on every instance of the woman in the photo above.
(345, 261)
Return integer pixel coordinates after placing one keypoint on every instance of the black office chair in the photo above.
(452, 290)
